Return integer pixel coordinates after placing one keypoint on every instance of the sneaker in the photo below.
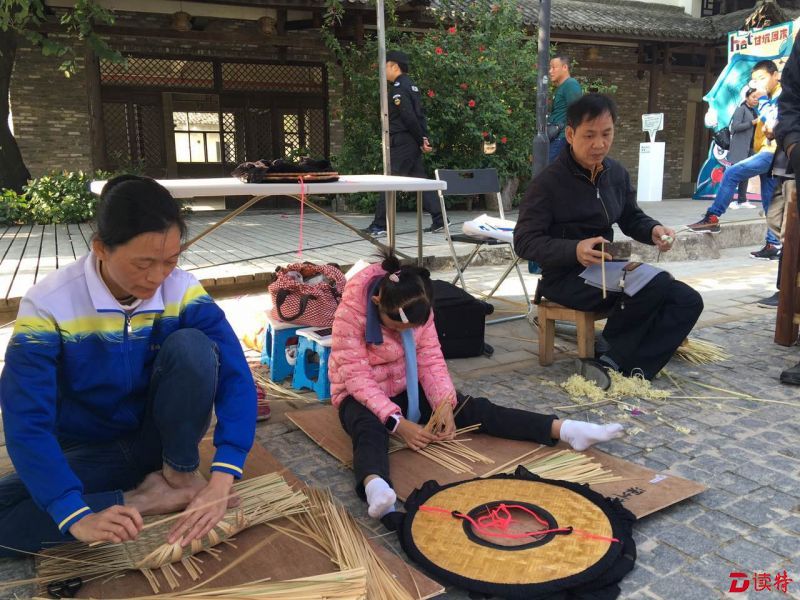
(735, 205)
(769, 302)
(747, 204)
(768, 252)
(375, 231)
(437, 228)
(708, 224)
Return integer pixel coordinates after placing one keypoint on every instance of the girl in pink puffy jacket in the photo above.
(388, 374)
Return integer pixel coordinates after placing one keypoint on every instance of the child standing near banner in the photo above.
(388, 375)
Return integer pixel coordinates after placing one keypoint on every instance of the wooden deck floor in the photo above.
(244, 250)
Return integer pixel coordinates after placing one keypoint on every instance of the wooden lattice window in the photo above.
(158, 72)
(263, 77)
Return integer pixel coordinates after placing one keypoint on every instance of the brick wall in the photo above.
(53, 129)
(51, 120)
(631, 97)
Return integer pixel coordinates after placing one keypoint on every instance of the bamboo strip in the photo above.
(350, 584)
(262, 499)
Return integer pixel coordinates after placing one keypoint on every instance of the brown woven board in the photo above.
(642, 490)
(281, 558)
(319, 177)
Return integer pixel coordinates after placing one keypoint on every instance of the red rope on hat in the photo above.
(500, 518)
(302, 205)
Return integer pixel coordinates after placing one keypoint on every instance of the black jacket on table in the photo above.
(405, 110)
(564, 206)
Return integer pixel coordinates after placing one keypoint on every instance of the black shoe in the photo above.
(791, 375)
(375, 230)
(770, 302)
(595, 371)
(437, 227)
(768, 252)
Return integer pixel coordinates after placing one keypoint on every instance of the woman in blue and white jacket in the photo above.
(114, 366)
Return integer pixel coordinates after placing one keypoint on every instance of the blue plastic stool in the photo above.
(276, 338)
(311, 369)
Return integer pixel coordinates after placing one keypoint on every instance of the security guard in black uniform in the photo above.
(408, 131)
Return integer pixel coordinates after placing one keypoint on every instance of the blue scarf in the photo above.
(412, 380)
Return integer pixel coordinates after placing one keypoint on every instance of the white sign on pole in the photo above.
(651, 172)
(652, 123)
(651, 161)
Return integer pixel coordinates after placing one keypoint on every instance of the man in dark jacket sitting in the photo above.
(568, 212)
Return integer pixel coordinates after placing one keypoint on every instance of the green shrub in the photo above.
(61, 198)
(12, 207)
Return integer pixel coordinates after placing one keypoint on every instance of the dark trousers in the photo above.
(406, 159)
(182, 390)
(556, 146)
(743, 191)
(644, 331)
(371, 438)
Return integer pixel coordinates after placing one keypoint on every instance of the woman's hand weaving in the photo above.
(205, 510)
(116, 524)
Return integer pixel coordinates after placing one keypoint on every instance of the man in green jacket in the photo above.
(568, 90)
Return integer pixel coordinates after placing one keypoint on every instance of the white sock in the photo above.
(380, 498)
(581, 435)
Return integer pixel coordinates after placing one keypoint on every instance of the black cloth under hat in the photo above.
(397, 56)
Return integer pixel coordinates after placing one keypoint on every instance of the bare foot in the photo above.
(155, 496)
(191, 480)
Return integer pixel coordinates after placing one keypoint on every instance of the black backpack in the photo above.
(722, 138)
(460, 321)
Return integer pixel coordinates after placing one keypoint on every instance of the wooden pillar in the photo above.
(280, 26)
(788, 319)
(97, 130)
(358, 29)
(655, 80)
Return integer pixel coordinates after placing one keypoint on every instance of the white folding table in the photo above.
(347, 184)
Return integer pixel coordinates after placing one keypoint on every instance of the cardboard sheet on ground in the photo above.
(278, 558)
(642, 490)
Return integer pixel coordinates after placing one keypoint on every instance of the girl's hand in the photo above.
(205, 510)
(448, 429)
(414, 435)
(117, 524)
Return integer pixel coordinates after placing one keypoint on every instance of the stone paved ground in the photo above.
(746, 452)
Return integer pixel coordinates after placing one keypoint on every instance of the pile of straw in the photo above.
(701, 352)
(263, 499)
(342, 585)
(635, 386)
(568, 465)
(276, 390)
(454, 455)
(327, 526)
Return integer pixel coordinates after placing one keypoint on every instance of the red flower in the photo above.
(503, 139)
(452, 30)
(482, 48)
(439, 50)
(471, 103)
(431, 93)
(485, 134)
(463, 86)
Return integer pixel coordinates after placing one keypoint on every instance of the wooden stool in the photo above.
(550, 312)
